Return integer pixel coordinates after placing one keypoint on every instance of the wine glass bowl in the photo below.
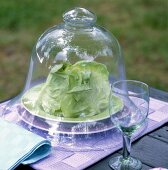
(135, 99)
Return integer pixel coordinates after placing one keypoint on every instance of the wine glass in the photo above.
(134, 98)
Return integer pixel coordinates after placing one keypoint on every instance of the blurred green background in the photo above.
(141, 26)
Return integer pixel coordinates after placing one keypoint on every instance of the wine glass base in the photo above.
(118, 163)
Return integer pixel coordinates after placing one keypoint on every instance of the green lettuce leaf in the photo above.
(73, 91)
(89, 90)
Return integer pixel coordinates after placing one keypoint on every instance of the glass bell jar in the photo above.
(66, 94)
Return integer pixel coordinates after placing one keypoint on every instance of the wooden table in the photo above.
(151, 149)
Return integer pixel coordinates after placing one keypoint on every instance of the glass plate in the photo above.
(34, 92)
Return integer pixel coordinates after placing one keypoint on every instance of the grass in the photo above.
(141, 26)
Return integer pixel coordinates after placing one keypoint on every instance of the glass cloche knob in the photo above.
(79, 17)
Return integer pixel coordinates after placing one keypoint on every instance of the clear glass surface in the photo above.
(67, 90)
(134, 96)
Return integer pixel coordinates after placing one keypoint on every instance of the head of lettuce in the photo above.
(73, 90)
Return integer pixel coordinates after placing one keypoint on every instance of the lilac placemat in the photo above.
(73, 160)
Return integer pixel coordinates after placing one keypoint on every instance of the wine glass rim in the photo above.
(133, 81)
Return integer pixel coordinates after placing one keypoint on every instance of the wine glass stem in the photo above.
(126, 146)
